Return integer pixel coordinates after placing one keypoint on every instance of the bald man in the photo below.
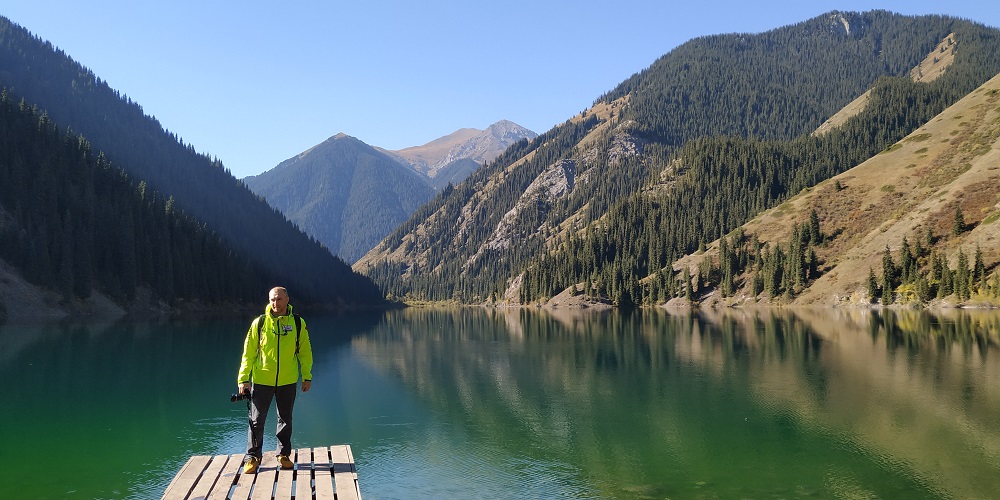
(276, 353)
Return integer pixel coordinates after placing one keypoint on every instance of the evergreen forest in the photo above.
(74, 98)
(722, 127)
(71, 219)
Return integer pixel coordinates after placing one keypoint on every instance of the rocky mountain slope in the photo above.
(570, 208)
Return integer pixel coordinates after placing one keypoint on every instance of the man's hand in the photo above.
(243, 388)
(306, 384)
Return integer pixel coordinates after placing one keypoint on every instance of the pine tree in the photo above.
(890, 273)
(962, 276)
(907, 263)
(873, 289)
(815, 235)
(979, 271)
(923, 289)
(945, 288)
(686, 278)
(958, 226)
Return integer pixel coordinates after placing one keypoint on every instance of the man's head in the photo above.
(278, 298)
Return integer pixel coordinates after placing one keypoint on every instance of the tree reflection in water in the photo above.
(745, 402)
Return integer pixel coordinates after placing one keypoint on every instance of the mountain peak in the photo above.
(331, 142)
(472, 144)
(343, 192)
(509, 131)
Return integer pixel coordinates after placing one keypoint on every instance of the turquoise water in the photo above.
(477, 403)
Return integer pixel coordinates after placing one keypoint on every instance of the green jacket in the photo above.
(270, 359)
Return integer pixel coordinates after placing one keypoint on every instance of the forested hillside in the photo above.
(74, 222)
(708, 136)
(914, 224)
(75, 98)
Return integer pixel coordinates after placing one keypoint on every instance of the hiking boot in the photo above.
(250, 467)
(285, 462)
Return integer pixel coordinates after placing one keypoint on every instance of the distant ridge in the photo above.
(349, 195)
(344, 193)
(463, 145)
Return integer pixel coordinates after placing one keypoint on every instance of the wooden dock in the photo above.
(326, 473)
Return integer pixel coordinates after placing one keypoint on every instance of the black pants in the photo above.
(261, 401)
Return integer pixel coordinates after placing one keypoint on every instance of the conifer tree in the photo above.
(946, 286)
(961, 276)
(873, 288)
(907, 264)
(889, 274)
(958, 225)
(979, 271)
(686, 278)
(815, 235)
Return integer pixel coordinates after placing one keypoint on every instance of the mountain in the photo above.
(76, 99)
(710, 135)
(345, 193)
(453, 173)
(349, 195)
(923, 212)
(452, 158)
(78, 237)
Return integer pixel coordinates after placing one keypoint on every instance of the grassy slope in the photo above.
(954, 160)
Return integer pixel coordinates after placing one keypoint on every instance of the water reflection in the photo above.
(795, 402)
(445, 403)
(99, 401)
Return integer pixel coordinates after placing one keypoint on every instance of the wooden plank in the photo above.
(322, 473)
(227, 478)
(244, 483)
(357, 485)
(263, 488)
(170, 492)
(343, 473)
(283, 486)
(303, 474)
(209, 476)
(184, 481)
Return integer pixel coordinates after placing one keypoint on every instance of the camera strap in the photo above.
(298, 331)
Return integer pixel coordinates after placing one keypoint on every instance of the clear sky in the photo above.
(254, 83)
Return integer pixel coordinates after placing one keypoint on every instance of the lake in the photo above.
(482, 403)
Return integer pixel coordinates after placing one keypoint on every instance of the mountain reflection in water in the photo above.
(484, 403)
(736, 402)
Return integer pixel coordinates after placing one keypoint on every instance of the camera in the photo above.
(245, 395)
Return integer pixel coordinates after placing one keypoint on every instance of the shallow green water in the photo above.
(478, 403)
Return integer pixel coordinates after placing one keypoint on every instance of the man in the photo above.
(275, 352)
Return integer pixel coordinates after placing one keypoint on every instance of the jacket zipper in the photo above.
(277, 337)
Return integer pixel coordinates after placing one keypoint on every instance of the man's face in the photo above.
(279, 301)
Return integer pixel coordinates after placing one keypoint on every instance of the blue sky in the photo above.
(254, 83)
